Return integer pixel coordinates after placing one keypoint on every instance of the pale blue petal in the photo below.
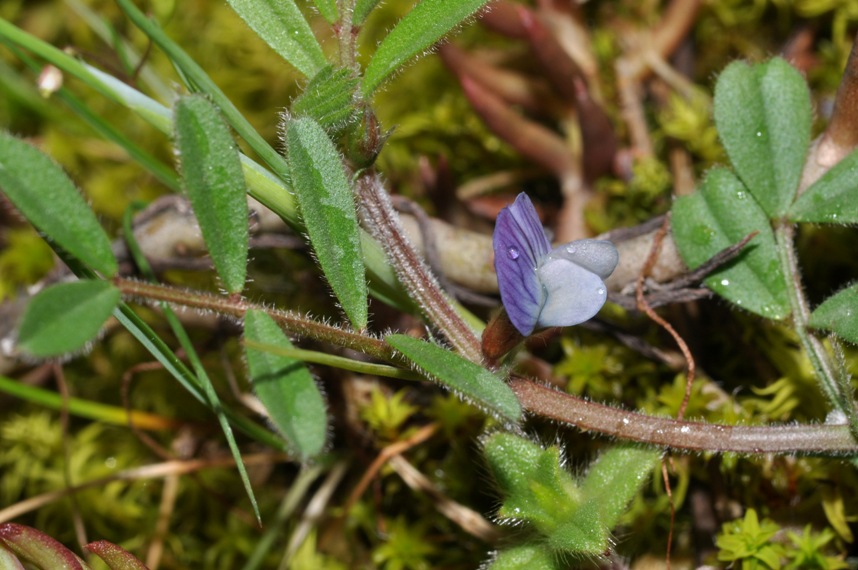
(573, 294)
(596, 255)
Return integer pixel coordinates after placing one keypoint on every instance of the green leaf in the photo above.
(328, 208)
(611, 483)
(363, 8)
(285, 387)
(839, 314)
(328, 99)
(722, 213)
(462, 376)
(763, 116)
(283, 27)
(831, 199)
(530, 557)
(424, 25)
(48, 199)
(213, 178)
(328, 10)
(63, 318)
(535, 486)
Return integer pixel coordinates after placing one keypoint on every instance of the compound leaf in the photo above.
(763, 115)
(721, 213)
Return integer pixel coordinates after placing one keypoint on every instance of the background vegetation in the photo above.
(349, 510)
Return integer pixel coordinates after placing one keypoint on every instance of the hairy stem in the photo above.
(821, 361)
(383, 223)
(292, 323)
(677, 434)
(346, 35)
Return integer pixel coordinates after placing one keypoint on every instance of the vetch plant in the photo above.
(390, 317)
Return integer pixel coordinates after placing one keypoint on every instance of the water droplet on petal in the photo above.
(513, 253)
(600, 291)
(570, 249)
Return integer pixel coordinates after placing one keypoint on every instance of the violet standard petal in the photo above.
(520, 246)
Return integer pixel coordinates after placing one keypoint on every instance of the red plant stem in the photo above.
(292, 323)
(681, 435)
(383, 223)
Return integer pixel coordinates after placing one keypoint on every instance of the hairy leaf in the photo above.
(63, 318)
(285, 387)
(535, 486)
(612, 481)
(49, 200)
(38, 548)
(283, 27)
(328, 10)
(722, 213)
(763, 116)
(328, 99)
(328, 208)
(529, 557)
(363, 8)
(213, 178)
(116, 557)
(424, 25)
(831, 199)
(839, 314)
(470, 380)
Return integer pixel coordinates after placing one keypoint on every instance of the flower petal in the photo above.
(520, 246)
(596, 255)
(573, 294)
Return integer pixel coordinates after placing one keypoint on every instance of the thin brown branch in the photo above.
(644, 306)
(386, 454)
(152, 471)
(468, 519)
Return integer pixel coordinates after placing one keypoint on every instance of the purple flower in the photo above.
(544, 287)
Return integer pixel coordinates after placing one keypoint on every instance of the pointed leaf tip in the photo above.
(470, 380)
(63, 318)
(424, 25)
